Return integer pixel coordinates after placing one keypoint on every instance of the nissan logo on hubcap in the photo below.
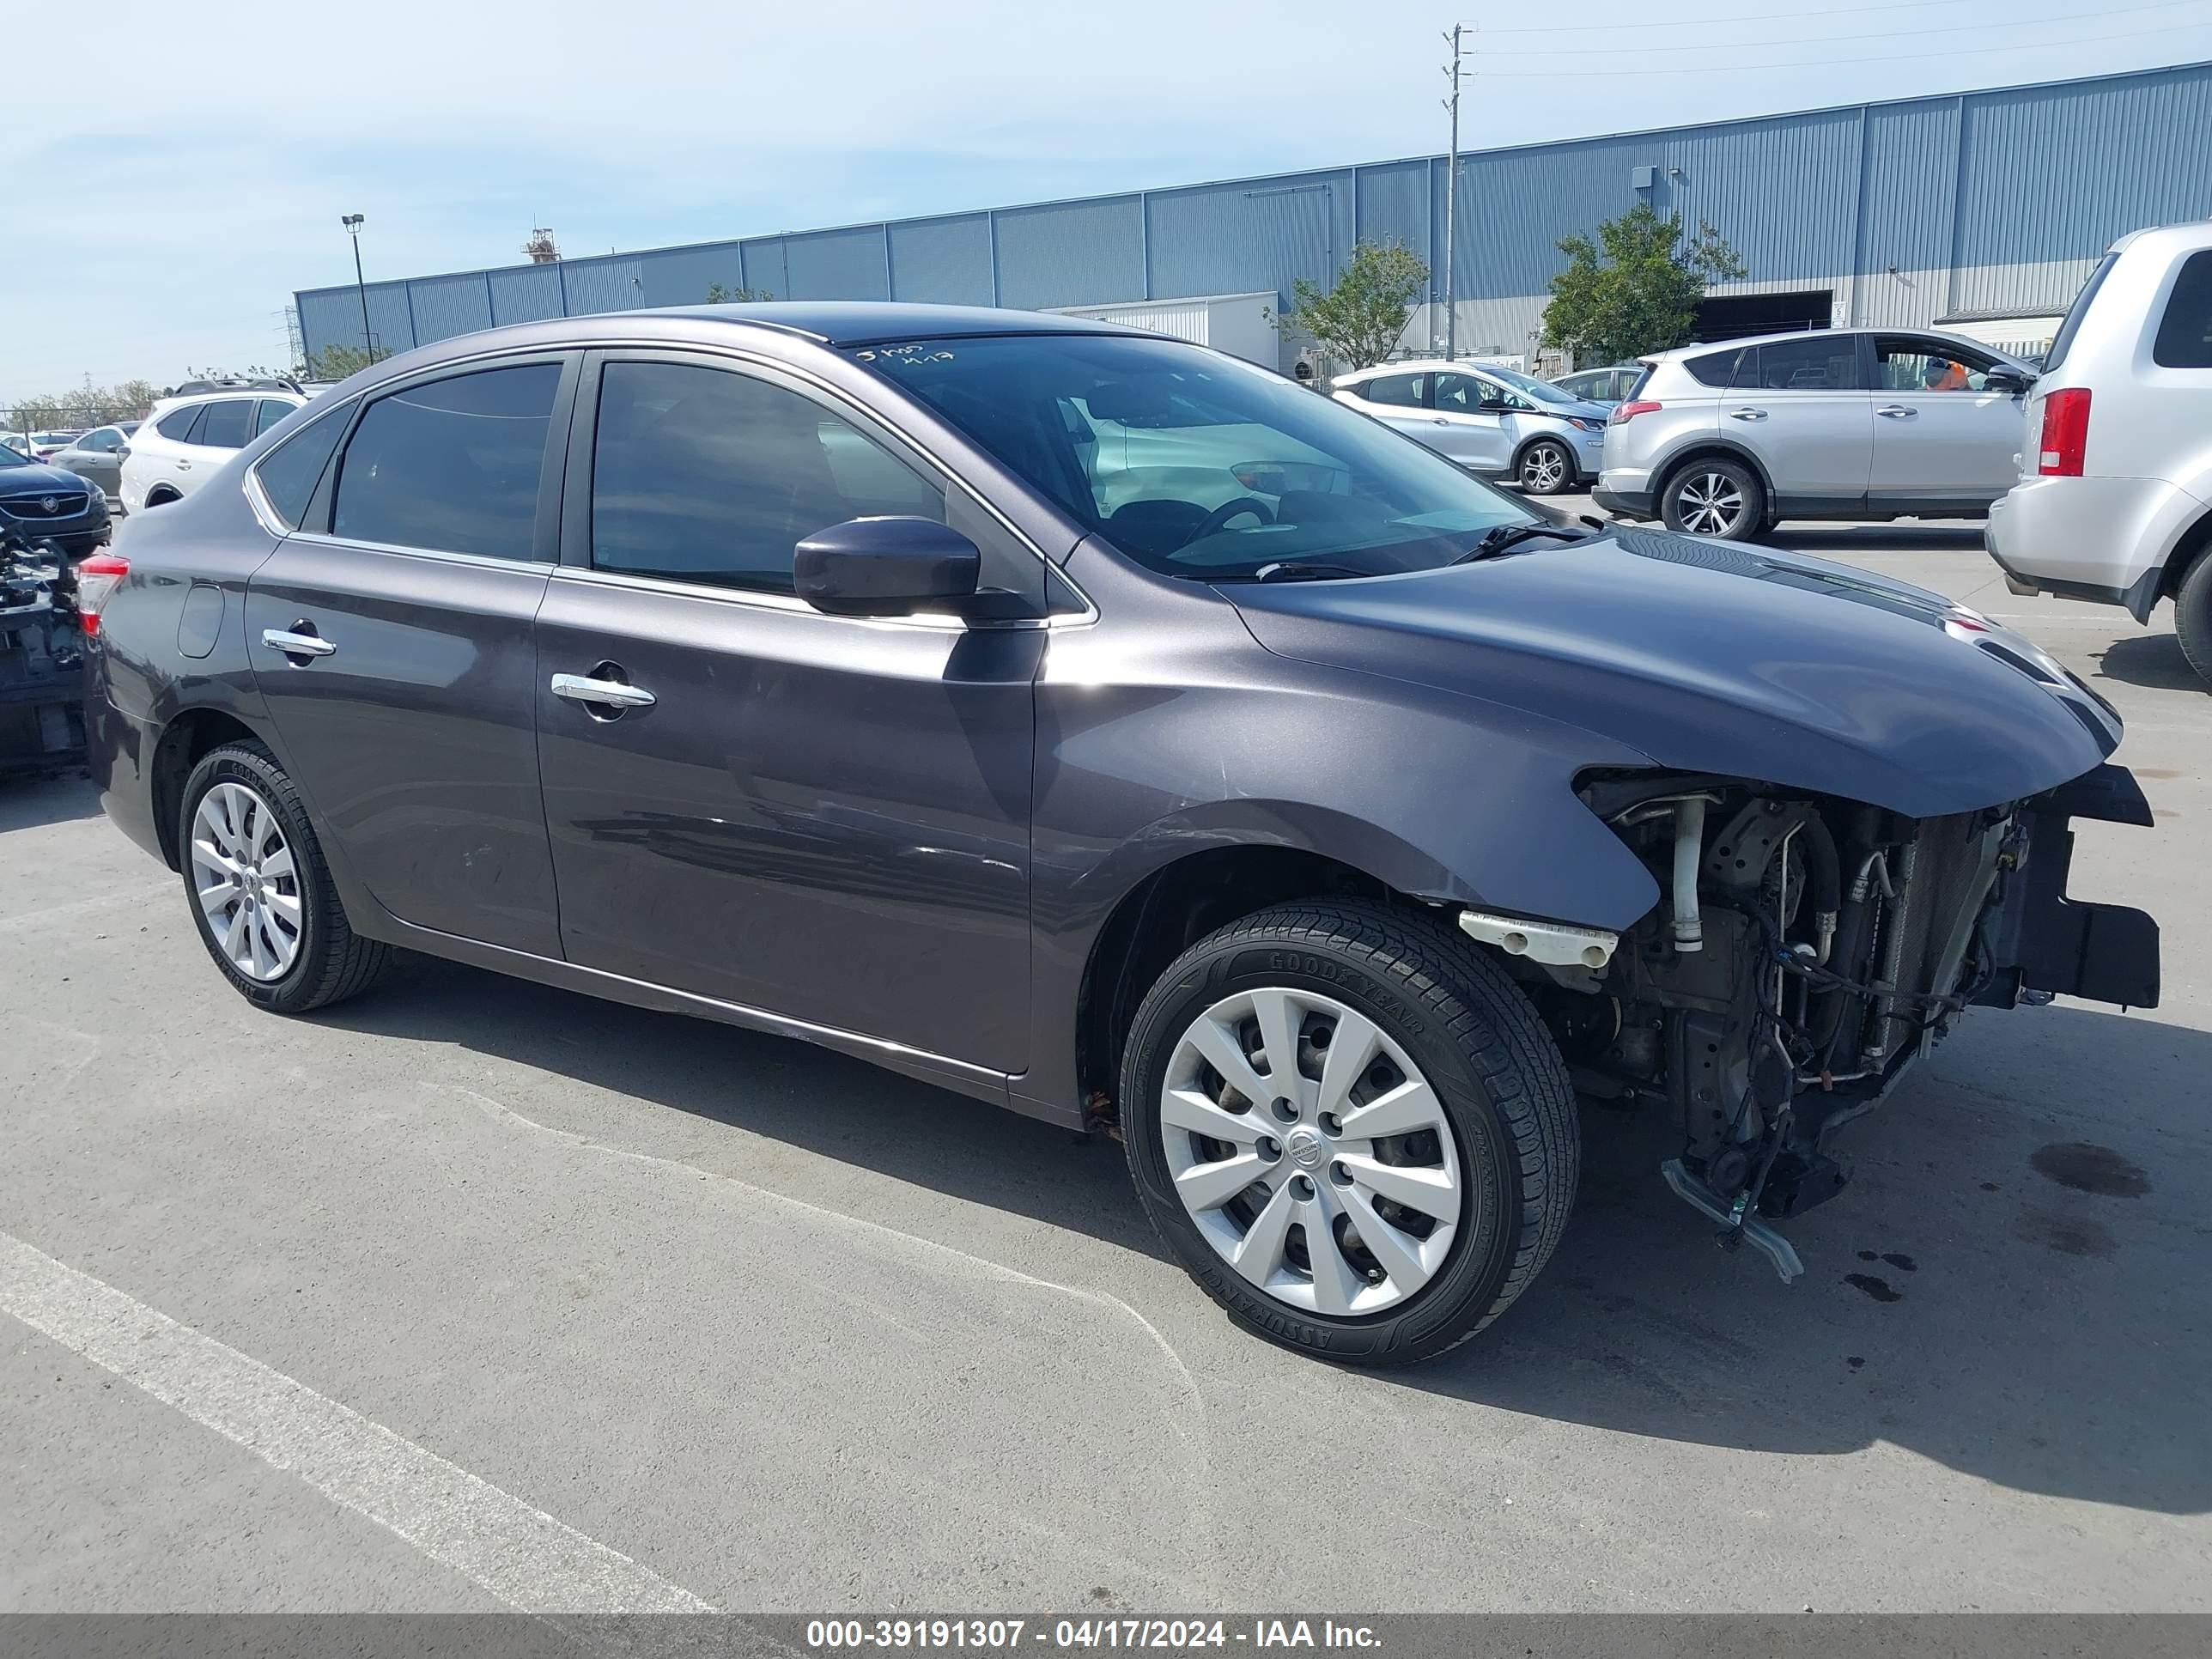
(1305, 1149)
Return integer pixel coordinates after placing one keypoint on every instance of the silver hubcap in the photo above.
(1546, 468)
(1310, 1152)
(248, 887)
(1709, 503)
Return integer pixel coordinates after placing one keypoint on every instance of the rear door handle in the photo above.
(296, 645)
(184, 466)
(1896, 413)
(1747, 414)
(604, 693)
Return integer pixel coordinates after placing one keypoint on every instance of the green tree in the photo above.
(718, 296)
(89, 405)
(1636, 289)
(1360, 320)
(335, 362)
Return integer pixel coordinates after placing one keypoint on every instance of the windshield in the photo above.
(1542, 391)
(1197, 465)
(7, 455)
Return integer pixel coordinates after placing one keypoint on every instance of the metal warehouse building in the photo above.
(1982, 210)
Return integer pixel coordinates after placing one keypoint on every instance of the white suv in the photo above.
(2114, 501)
(186, 439)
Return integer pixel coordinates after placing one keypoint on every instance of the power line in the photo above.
(1879, 35)
(1731, 17)
(1890, 57)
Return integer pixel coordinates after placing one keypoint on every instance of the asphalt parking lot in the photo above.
(471, 1293)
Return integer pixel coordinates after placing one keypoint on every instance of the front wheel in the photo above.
(1350, 1127)
(1547, 467)
(1718, 498)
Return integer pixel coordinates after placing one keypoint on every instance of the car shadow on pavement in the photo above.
(805, 1097)
(28, 799)
(2152, 660)
(2013, 1285)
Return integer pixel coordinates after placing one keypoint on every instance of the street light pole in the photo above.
(352, 222)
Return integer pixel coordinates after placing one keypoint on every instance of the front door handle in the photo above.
(1747, 414)
(1896, 413)
(293, 644)
(602, 693)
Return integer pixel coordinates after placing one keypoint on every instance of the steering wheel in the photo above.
(1217, 521)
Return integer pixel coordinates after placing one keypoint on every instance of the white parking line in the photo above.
(522, 1555)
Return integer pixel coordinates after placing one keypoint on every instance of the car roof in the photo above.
(1699, 349)
(1415, 365)
(184, 400)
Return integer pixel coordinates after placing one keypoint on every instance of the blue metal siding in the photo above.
(2002, 199)
(837, 264)
(446, 306)
(1911, 170)
(527, 294)
(1071, 253)
(1248, 239)
(943, 261)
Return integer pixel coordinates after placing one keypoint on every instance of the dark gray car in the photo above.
(1102, 727)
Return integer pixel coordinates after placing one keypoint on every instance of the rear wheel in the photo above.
(1715, 497)
(260, 892)
(1349, 1125)
(2193, 615)
(1546, 468)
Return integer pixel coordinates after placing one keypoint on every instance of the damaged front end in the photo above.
(1808, 951)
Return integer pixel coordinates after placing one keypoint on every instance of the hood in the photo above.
(39, 479)
(1710, 657)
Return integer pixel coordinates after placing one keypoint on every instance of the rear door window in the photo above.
(451, 465)
(2184, 333)
(1398, 391)
(1823, 362)
(227, 425)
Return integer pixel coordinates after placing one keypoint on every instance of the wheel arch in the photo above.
(184, 741)
(1707, 448)
(2194, 544)
(1574, 462)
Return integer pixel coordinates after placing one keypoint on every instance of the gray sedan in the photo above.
(97, 457)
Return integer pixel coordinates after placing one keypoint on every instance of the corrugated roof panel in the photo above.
(837, 264)
(1241, 238)
(1394, 206)
(943, 261)
(765, 272)
(1071, 253)
(528, 294)
(329, 317)
(1733, 177)
(446, 305)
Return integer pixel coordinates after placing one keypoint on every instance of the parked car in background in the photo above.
(43, 503)
(1496, 421)
(1601, 386)
(1103, 726)
(1830, 423)
(186, 439)
(97, 457)
(2114, 499)
(43, 445)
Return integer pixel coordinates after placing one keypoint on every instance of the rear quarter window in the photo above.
(178, 422)
(1715, 369)
(2185, 333)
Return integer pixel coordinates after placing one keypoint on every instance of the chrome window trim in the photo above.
(441, 555)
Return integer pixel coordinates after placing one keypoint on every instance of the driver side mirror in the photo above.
(886, 567)
(1492, 403)
(2009, 380)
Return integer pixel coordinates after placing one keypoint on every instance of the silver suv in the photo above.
(1725, 440)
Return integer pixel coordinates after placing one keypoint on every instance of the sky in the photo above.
(158, 210)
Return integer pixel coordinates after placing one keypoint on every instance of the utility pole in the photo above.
(1451, 190)
(352, 222)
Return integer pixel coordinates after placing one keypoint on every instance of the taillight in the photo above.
(1624, 413)
(2065, 432)
(96, 578)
